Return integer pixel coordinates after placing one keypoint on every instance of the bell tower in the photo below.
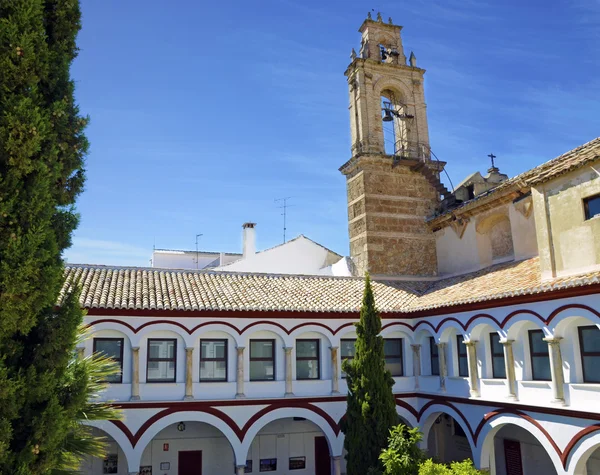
(392, 182)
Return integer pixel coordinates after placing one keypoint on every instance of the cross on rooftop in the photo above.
(492, 156)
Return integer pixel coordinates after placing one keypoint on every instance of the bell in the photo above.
(387, 115)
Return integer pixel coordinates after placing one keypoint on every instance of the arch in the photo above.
(482, 326)
(562, 318)
(490, 426)
(335, 441)
(174, 328)
(271, 327)
(525, 320)
(192, 416)
(580, 449)
(121, 439)
(125, 330)
(223, 327)
(431, 411)
(396, 327)
(321, 329)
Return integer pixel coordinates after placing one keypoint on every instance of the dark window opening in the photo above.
(213, 360)
(307, 359)
(262, 360)
(348, 351)
(589, 347)
(112, 348)
(498, 367)
(434, 357)
(591, 205)
(540, 356)
(463, 359)
(392, 349)
(161, 360)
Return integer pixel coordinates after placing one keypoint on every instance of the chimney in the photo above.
(248, 239)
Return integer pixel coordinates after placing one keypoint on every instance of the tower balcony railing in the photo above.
(412, 151)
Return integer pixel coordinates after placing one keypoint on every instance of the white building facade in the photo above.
(492, 335)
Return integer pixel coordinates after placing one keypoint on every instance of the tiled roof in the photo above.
(499, 281)
(164, 289)
(572, 160)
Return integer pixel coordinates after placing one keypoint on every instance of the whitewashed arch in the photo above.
(133, 463)
(266, 327)
(406, 332)
(95, 328)
(189, 416)
(449, 330)
(570, 317)
(482, 326)
(336, 442)
(216, 327)
(581, 452)
(171, 328)
(433, 412)
(515, 326)
(298, 332)
(485, 445)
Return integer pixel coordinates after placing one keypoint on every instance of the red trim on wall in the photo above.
(209, 407)
(435, 329)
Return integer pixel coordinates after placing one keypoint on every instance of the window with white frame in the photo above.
(213, 360)
(162, 360)
(262, 360)
(307, 359)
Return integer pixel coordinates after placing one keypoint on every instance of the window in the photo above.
(268, 465)
(162, 360)
(262, 360)
(113, 348)
(540, 358)
(213, 360)
(463, 359)
(434, 357)
(498, 368)
(591, 205)
(392, 348)
(348, 351)
(589, 346)
(307, 359)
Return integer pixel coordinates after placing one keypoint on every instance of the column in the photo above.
(135, 377)
(240, 470)
(472, 361)
(416, 363)
(80, 352)
(556, 369)
(335, 370)
(443, 366)
(189, 361)
(337, 465)
(509, 365)
(240, 373)
(288, 371)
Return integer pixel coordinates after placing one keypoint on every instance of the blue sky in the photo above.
(202, 113)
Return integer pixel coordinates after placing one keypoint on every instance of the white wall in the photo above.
(298, 256)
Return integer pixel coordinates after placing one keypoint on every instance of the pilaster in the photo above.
(509, 364)
(289, 390)
(335, 370)
(556, 369)
(135, 376)
(472, 361)
(189, 392)
(443, 365)
(240, 373)
(416, 363)
(337, 465)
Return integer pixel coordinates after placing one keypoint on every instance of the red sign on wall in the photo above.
(165, 447)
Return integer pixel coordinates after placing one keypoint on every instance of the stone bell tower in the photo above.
(392, 182)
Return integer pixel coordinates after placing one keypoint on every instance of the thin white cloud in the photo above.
(94, 251)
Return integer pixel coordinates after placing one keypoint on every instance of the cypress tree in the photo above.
(42, 146)
(371, 411)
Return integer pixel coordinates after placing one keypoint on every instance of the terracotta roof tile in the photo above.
(164, 289)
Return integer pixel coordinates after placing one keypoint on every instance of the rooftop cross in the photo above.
(492, 156)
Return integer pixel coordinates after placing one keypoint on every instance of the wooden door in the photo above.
(512, 457)
(322, 458)
(190, 462)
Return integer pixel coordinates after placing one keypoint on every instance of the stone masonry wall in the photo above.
(387, 208)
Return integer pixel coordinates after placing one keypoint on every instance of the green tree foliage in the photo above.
(371, 411)
(42, 145)
(466, 467)
(402, 455)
